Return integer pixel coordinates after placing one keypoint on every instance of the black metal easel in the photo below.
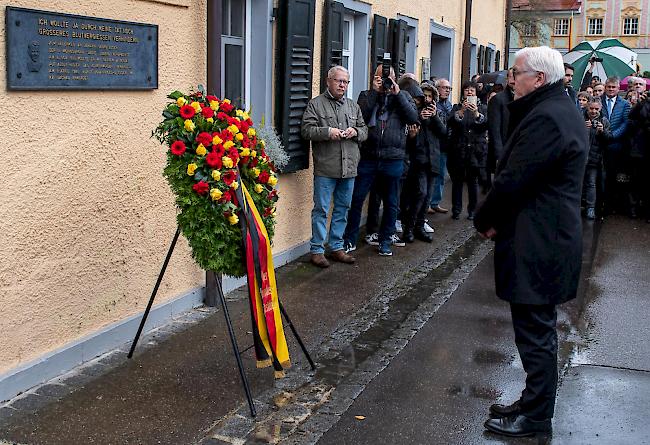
(231, 331)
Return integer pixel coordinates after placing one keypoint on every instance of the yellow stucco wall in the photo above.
(86, 214)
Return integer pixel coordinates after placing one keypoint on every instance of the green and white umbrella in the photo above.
(618, 59)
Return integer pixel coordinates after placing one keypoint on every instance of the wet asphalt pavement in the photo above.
(416, 346)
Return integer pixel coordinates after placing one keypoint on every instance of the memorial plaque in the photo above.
(52, 51)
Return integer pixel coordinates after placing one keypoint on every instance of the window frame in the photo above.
(348, 20)
(528, 30)
(632, 24)
(564, 24)
(595, 20)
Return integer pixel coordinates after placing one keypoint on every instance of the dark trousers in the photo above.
(639, 193)
(415, 197)
(471, 179)
(387, 173)
(536, 340)
(374, 203)
(615, 192)
(592, 185)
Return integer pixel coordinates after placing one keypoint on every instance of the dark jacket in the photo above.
(386, 117)
(467, 143)
(444, 111)
(597, 141)
(639, 130)
(498, 116)
(534, 203)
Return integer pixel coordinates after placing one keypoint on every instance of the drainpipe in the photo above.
(467, 44)
(213, 51)
(506, 47)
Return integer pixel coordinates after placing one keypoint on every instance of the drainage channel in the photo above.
(304, 406)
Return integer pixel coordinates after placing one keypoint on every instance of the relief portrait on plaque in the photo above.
(34, 64)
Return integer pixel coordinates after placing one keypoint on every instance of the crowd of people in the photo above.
(397, 143)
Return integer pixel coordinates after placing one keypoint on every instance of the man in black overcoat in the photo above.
(532, 213)
(498, 116)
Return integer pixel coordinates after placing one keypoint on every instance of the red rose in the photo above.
(263, 177)
(201, 187)
(227, 196)
(268, 211)
(246, 143)
(178, 148)
(226, 107)
(229, 177)
(207, 112)
(244, 160)
(253, 162)
(249, 121)
(187, 112)
(204, 138)
(222, 116)
(273, 196)
(213, 160)
(243, 126)
(219, 150)
(210, 98)
(233, 153)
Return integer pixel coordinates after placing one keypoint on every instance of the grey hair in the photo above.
(543, 59)
(336, 68)
(438, 81)
(613, 79)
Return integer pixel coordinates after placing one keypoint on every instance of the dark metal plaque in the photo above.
(52, 51)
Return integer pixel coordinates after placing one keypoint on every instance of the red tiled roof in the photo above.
(547, 5)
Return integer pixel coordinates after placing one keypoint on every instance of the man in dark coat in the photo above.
(533, 214)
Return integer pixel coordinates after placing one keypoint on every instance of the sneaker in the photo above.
(591, 213)
(398, 226)
(349, 247)
(397, 241)
(428, 228)
(373, 239)
(384, 249)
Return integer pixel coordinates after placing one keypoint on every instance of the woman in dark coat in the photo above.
(599, 134)
(468, 148)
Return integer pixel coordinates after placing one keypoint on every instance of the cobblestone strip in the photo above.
(303, 406)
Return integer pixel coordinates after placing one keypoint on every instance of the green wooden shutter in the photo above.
(398, 41)
(379, 43)
(332, 47)
(294, 76)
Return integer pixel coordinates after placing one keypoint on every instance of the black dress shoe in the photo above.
(455, 216)
(498, 410)
(470, 216)
(422, 235)
(407, 236)
(518, 426)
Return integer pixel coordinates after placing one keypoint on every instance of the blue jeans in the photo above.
(388, 174)
(324, 188)
(439, 181)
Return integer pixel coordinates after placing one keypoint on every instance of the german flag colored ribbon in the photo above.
(269, 341)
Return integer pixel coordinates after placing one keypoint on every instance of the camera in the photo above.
(386, 81)
(596, 59)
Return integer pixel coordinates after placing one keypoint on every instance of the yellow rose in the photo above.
(273, 180)
(200, 150)
(214, 105)
(239, 137)
(233, 219)
(251, 133)
(245, 152)
(253, 153)
(216, 140)
(262, 143)
(233, 129)
(210, 120)
(226, 101)
(235, 185)
(216, 175)
(227, 162)
(256, 172)
(228, 144)
(191, 168)
(196, 106)
(181, 101)
(258, 188)
(189, 125)
(215, 194)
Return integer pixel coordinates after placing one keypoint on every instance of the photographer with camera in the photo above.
(639, 157)
(423, 148)
(589, 80)
(468, 149)
(599, 133)
(387, 111)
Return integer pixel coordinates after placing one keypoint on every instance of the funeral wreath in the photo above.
(213, 149)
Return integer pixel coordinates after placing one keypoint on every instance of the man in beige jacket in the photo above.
(334, 124)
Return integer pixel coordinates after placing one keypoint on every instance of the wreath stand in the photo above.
(236, 351)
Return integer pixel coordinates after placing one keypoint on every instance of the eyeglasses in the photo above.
(515, 72)
(340, 81)
(445, 88)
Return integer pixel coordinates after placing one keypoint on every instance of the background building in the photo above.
(87, 216)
